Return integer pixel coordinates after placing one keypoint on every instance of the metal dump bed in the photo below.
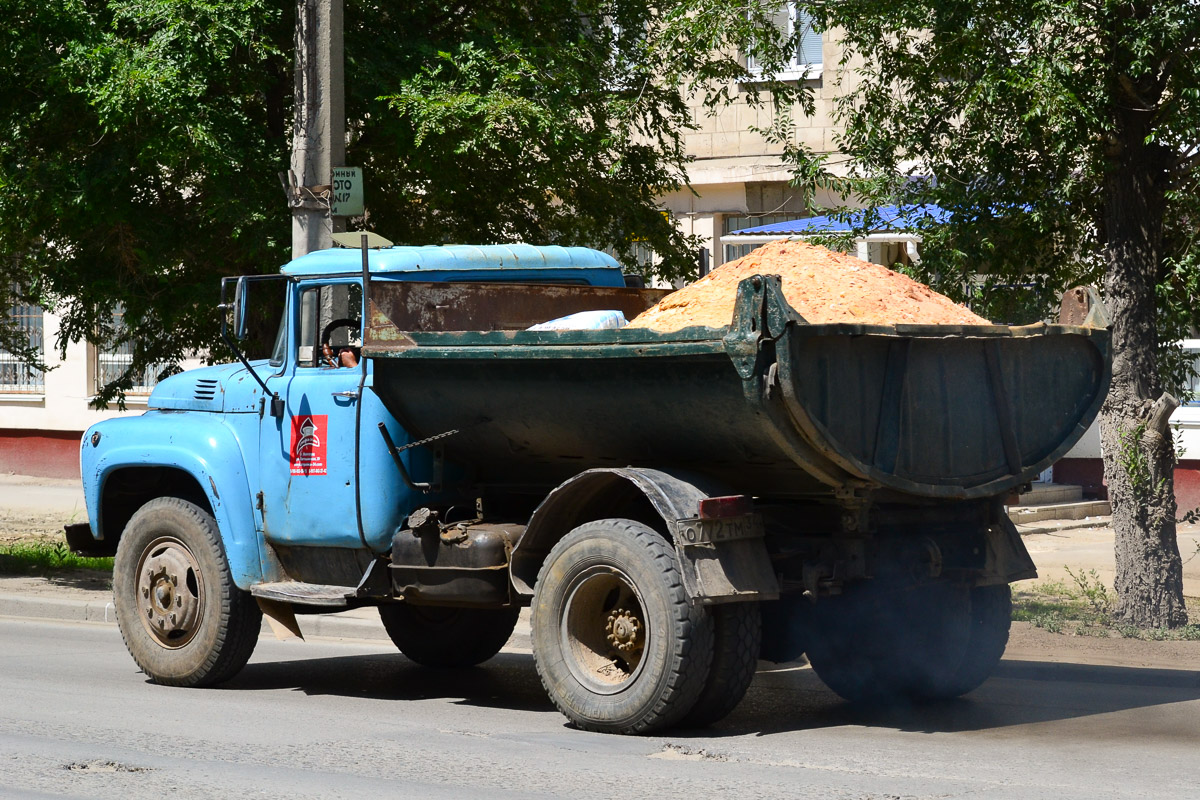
(771, 404)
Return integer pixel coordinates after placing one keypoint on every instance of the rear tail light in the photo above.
(720, 507)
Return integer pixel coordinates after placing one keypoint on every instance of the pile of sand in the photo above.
(822, 285)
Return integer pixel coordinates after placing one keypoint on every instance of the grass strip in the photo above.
(1084, 607)
(40, 558)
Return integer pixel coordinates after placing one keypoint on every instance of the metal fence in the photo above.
(112, 362)
(17, 376)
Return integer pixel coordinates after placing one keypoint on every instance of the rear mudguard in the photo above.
(207, 449)
(713, 572)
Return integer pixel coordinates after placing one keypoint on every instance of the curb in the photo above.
(1049, 526)
(321, 626)
(15, 605)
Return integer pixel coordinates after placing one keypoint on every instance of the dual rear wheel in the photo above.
(619, 646)
(930, 641)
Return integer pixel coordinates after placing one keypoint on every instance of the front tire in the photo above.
(617, 643)
(183, 619)
(445, 636)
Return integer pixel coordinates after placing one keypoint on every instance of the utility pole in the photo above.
(319, 138)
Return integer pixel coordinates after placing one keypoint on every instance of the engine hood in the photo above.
(225, 387)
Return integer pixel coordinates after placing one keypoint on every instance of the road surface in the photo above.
(334, 719)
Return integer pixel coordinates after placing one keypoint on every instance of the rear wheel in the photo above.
(737, 640)
(182, 618)
(991, 619)
(444, 636)
(886, 640)
(617, 643)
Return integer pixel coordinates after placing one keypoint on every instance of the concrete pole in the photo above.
(319, 138)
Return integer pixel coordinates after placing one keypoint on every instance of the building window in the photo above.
(17, 376)
(806, 61)
(112, 362)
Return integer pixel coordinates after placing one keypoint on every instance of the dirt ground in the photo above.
(33, 509)
(32, 527)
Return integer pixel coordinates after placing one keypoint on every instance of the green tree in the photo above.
(143, 139)
(1062, 137)
(544, 121)
(137, 166)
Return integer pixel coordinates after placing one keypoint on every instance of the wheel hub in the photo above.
(604, 630)
(169, 593)
(623, 630)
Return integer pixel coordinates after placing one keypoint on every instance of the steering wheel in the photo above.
(344, 322)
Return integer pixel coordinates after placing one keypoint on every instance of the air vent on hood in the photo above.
(206, 389)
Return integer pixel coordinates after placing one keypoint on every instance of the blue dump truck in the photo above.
(673, 506)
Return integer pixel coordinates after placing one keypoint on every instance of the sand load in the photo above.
(822, 285)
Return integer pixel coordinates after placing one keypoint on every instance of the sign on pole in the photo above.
(347, 200)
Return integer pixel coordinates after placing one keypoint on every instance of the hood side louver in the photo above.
(206, 389)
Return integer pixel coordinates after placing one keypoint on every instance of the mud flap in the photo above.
(282, 619)
(729, 571)
(1008, 559)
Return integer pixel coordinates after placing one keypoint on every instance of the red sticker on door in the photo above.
(309, 433)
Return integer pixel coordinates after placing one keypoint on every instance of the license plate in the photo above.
(712, 531)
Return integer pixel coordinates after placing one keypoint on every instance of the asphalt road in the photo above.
(329, 719)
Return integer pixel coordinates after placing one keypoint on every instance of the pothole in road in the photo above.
(102, 766)
(677, 752)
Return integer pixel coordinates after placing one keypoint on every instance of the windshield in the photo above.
(279, 351)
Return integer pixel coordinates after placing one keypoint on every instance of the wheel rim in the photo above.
(170, 592)
(604, 631)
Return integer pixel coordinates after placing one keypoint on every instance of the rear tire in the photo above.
(881, 641)
(183, 619)
(991, 619)
(445, 636)
(617, 643)
(737, 640)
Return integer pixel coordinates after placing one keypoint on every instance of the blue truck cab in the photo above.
(278, 463)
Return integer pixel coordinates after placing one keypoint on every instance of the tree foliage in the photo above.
(143, 139)
(136, 164)
(545, 121)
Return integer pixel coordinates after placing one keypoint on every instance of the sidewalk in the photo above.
(39, 507)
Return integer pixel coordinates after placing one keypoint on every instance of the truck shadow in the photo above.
(508, 680)
(791, 698)
(782, 698)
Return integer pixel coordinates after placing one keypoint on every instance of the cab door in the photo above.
(307, 455)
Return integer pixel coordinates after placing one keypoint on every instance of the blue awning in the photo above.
(895, 219)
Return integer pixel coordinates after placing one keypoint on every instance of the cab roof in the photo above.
(463, 260)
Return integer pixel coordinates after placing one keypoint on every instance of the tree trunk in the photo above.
(1139, 454)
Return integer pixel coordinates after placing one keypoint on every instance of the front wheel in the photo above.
(444, 636)
(616, 641)
(183, 619)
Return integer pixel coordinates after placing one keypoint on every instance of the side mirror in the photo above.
(239, 309)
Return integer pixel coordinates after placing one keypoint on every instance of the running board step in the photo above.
(305, 594)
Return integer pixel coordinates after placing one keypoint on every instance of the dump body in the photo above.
(771, 406)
